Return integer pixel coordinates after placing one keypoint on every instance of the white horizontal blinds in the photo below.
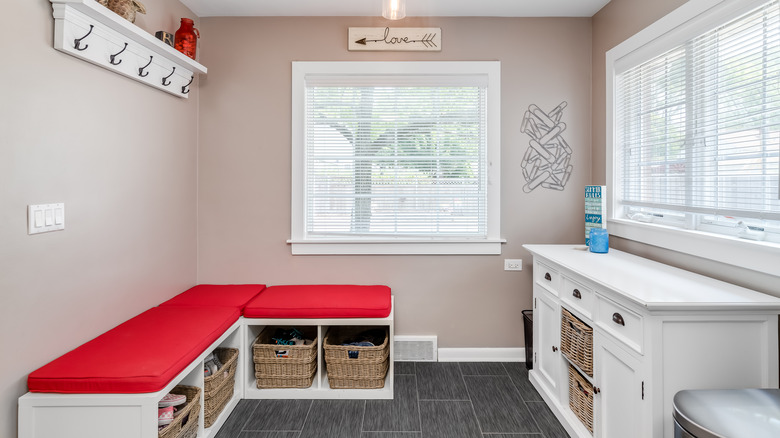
(396, 160)
(698, 127)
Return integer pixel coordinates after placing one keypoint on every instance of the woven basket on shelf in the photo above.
(125, 8)
(182, 424)
(267, 381)
(189, 430)
(264, 348)
(577, 341)
(355, 367)
(214, 405)
(228, 357)
(581, 398)
(219, 387)
(358, 368)
(294, 371)
(335, 351)
(374, 379)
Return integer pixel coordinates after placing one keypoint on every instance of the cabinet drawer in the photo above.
(577, 296)
(547, 277)
(623, 324)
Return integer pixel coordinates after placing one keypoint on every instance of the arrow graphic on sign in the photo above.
(426, 40)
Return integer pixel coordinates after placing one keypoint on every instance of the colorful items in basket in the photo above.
(211, 365)
(166, 408)
(291, 336)
(366, 338)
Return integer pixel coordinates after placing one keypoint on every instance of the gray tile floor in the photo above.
(432, 400)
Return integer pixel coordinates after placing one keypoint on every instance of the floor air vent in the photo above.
(417, 348)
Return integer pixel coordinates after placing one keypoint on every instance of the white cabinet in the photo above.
(547, 337)
(656, 330)
(619, 403)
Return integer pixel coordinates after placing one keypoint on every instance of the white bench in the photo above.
(59, 415)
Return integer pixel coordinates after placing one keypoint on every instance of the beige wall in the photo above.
(617, 21)
(122, 157)
(244, 168)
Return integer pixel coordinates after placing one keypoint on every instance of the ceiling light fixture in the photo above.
(394, 9)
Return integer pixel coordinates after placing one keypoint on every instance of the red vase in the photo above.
(186, 38)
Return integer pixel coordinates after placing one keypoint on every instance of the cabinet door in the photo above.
(547, 338)
(620, 399)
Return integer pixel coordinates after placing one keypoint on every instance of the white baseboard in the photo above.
(481, 354)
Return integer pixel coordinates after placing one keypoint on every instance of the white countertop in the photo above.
(651, 284)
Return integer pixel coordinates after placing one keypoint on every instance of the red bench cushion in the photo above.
(140, 355)
(321, 301)
(230, 295)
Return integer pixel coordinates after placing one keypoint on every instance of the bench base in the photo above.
(320, 389)
(48, 415)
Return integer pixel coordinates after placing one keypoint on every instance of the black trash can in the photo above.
(528, 328)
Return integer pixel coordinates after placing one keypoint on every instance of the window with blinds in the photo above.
(394, 155)
(697, 128)
(395, 160)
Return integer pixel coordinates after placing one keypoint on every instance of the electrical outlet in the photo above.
(513, 264)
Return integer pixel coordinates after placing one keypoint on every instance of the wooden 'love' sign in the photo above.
(395, 38)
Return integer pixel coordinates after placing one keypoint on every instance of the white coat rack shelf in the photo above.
(89, 31)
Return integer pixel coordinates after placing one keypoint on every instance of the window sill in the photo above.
(416, 247)
(748, 254)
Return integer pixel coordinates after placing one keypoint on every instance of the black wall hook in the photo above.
(116, 54)
(184, 89)
(77, 41)
(166, 78)
(141, 71)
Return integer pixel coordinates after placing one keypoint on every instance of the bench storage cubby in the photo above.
(284, 366)
(185, 424)
(356, 366)
(219, 388)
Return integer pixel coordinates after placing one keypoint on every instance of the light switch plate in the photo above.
(43, 218)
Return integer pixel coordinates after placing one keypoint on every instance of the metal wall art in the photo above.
(546, 161)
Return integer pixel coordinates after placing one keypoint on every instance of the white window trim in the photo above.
(301, 245)
(692, 17)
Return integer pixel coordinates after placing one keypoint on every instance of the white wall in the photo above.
(122, 157)
(244, 171)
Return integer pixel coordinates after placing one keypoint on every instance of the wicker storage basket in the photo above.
(265, 381)
(189, 430)
(335, 351)
(581, 398)
(577, 341)
(218, 388)
(358, 368)
(355, 367)
(182, 424)
(214, 405)
(368, 380)
(228, 357)
(294, 371)
(125, 8)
